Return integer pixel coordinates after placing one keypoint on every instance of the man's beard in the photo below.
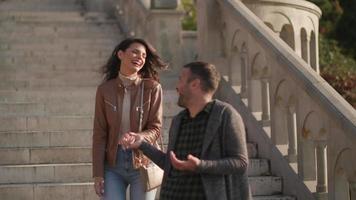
(181, 101)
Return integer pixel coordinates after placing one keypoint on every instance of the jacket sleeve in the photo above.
(152, 129)
(100, 132)
(233, 146)
(156, 155)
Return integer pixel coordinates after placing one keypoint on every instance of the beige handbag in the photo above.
(151, 174)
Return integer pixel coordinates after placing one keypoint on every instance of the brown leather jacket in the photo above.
(108, 108)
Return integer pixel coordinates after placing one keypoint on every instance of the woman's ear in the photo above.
(120, 54)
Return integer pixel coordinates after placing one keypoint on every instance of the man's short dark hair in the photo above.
(206, 73)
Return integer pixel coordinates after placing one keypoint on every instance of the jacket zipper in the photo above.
(114, 107)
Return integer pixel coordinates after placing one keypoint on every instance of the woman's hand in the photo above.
(131, 140)
(99, 186)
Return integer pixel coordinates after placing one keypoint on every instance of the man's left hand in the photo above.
(190, 164)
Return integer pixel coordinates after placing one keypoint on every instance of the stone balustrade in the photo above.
(288, 108)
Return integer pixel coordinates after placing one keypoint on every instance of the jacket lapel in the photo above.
(173, 133)
(213, 124)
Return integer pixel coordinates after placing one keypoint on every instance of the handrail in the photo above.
(318, 87)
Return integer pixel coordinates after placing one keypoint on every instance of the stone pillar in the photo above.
(164, 4)
(306, 160)
(244, 82)
(353, 190)
(292, 134)
(165, 33)
(308, 50)
(321, 187)
(265, 100)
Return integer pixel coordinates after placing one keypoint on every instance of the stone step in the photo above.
(106, 53)
(44, 173)
(38, 155)
(44, 83)
(18, 156)
(53, 43)
(84, 46)
(265, 185)
(35, 75)
(45, 123)
(252, 150)
(54, 60)
(48, 95)
(52, 108)
(49, 33)
(253, 182)
(71, 191)
(50, 68)
(51, 28)
(22, 16)
(42, 16)
(46, 139)
(53, 191)
(258, 167)
(22, 5)
(274, 197)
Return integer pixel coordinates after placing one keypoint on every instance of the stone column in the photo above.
(353, 190)
(164, 4)
(265, 100)
(244, 82)
(321, 166)
(292, 134)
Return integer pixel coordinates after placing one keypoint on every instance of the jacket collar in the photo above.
(213, 124)
(135, 83)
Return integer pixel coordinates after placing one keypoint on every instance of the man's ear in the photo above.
(195, 83)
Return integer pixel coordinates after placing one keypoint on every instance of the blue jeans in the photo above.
(118, 178)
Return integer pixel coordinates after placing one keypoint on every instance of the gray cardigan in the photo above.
(224, 157)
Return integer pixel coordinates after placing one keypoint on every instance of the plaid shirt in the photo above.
(182, 184)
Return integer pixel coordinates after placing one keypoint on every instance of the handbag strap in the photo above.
(141, 113)
(141, 107)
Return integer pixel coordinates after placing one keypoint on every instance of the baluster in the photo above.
(321, 187)
(292, 134)
(265, 100)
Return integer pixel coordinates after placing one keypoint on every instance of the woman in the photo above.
(133, 62)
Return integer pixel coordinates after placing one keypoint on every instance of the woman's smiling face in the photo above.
(132, 59)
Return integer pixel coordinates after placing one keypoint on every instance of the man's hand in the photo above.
(99, 186)
(131, 140)
(190, 164)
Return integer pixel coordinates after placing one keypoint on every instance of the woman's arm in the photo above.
(152, 129)
(100, 131)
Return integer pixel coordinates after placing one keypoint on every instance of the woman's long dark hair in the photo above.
(111, 69)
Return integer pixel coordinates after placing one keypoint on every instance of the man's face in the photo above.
(183, 88)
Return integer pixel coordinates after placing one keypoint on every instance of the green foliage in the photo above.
(189, 20)
(337, 69)
(345, 28)
(331, 14)
(337, 46)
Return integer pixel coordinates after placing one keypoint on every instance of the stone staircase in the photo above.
(50, 53)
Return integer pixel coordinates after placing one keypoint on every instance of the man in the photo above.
(207, 156)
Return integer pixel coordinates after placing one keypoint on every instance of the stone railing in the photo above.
(300, 123)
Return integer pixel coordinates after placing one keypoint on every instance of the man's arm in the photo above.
(235, 158)
(137, 141)
(234, 150)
